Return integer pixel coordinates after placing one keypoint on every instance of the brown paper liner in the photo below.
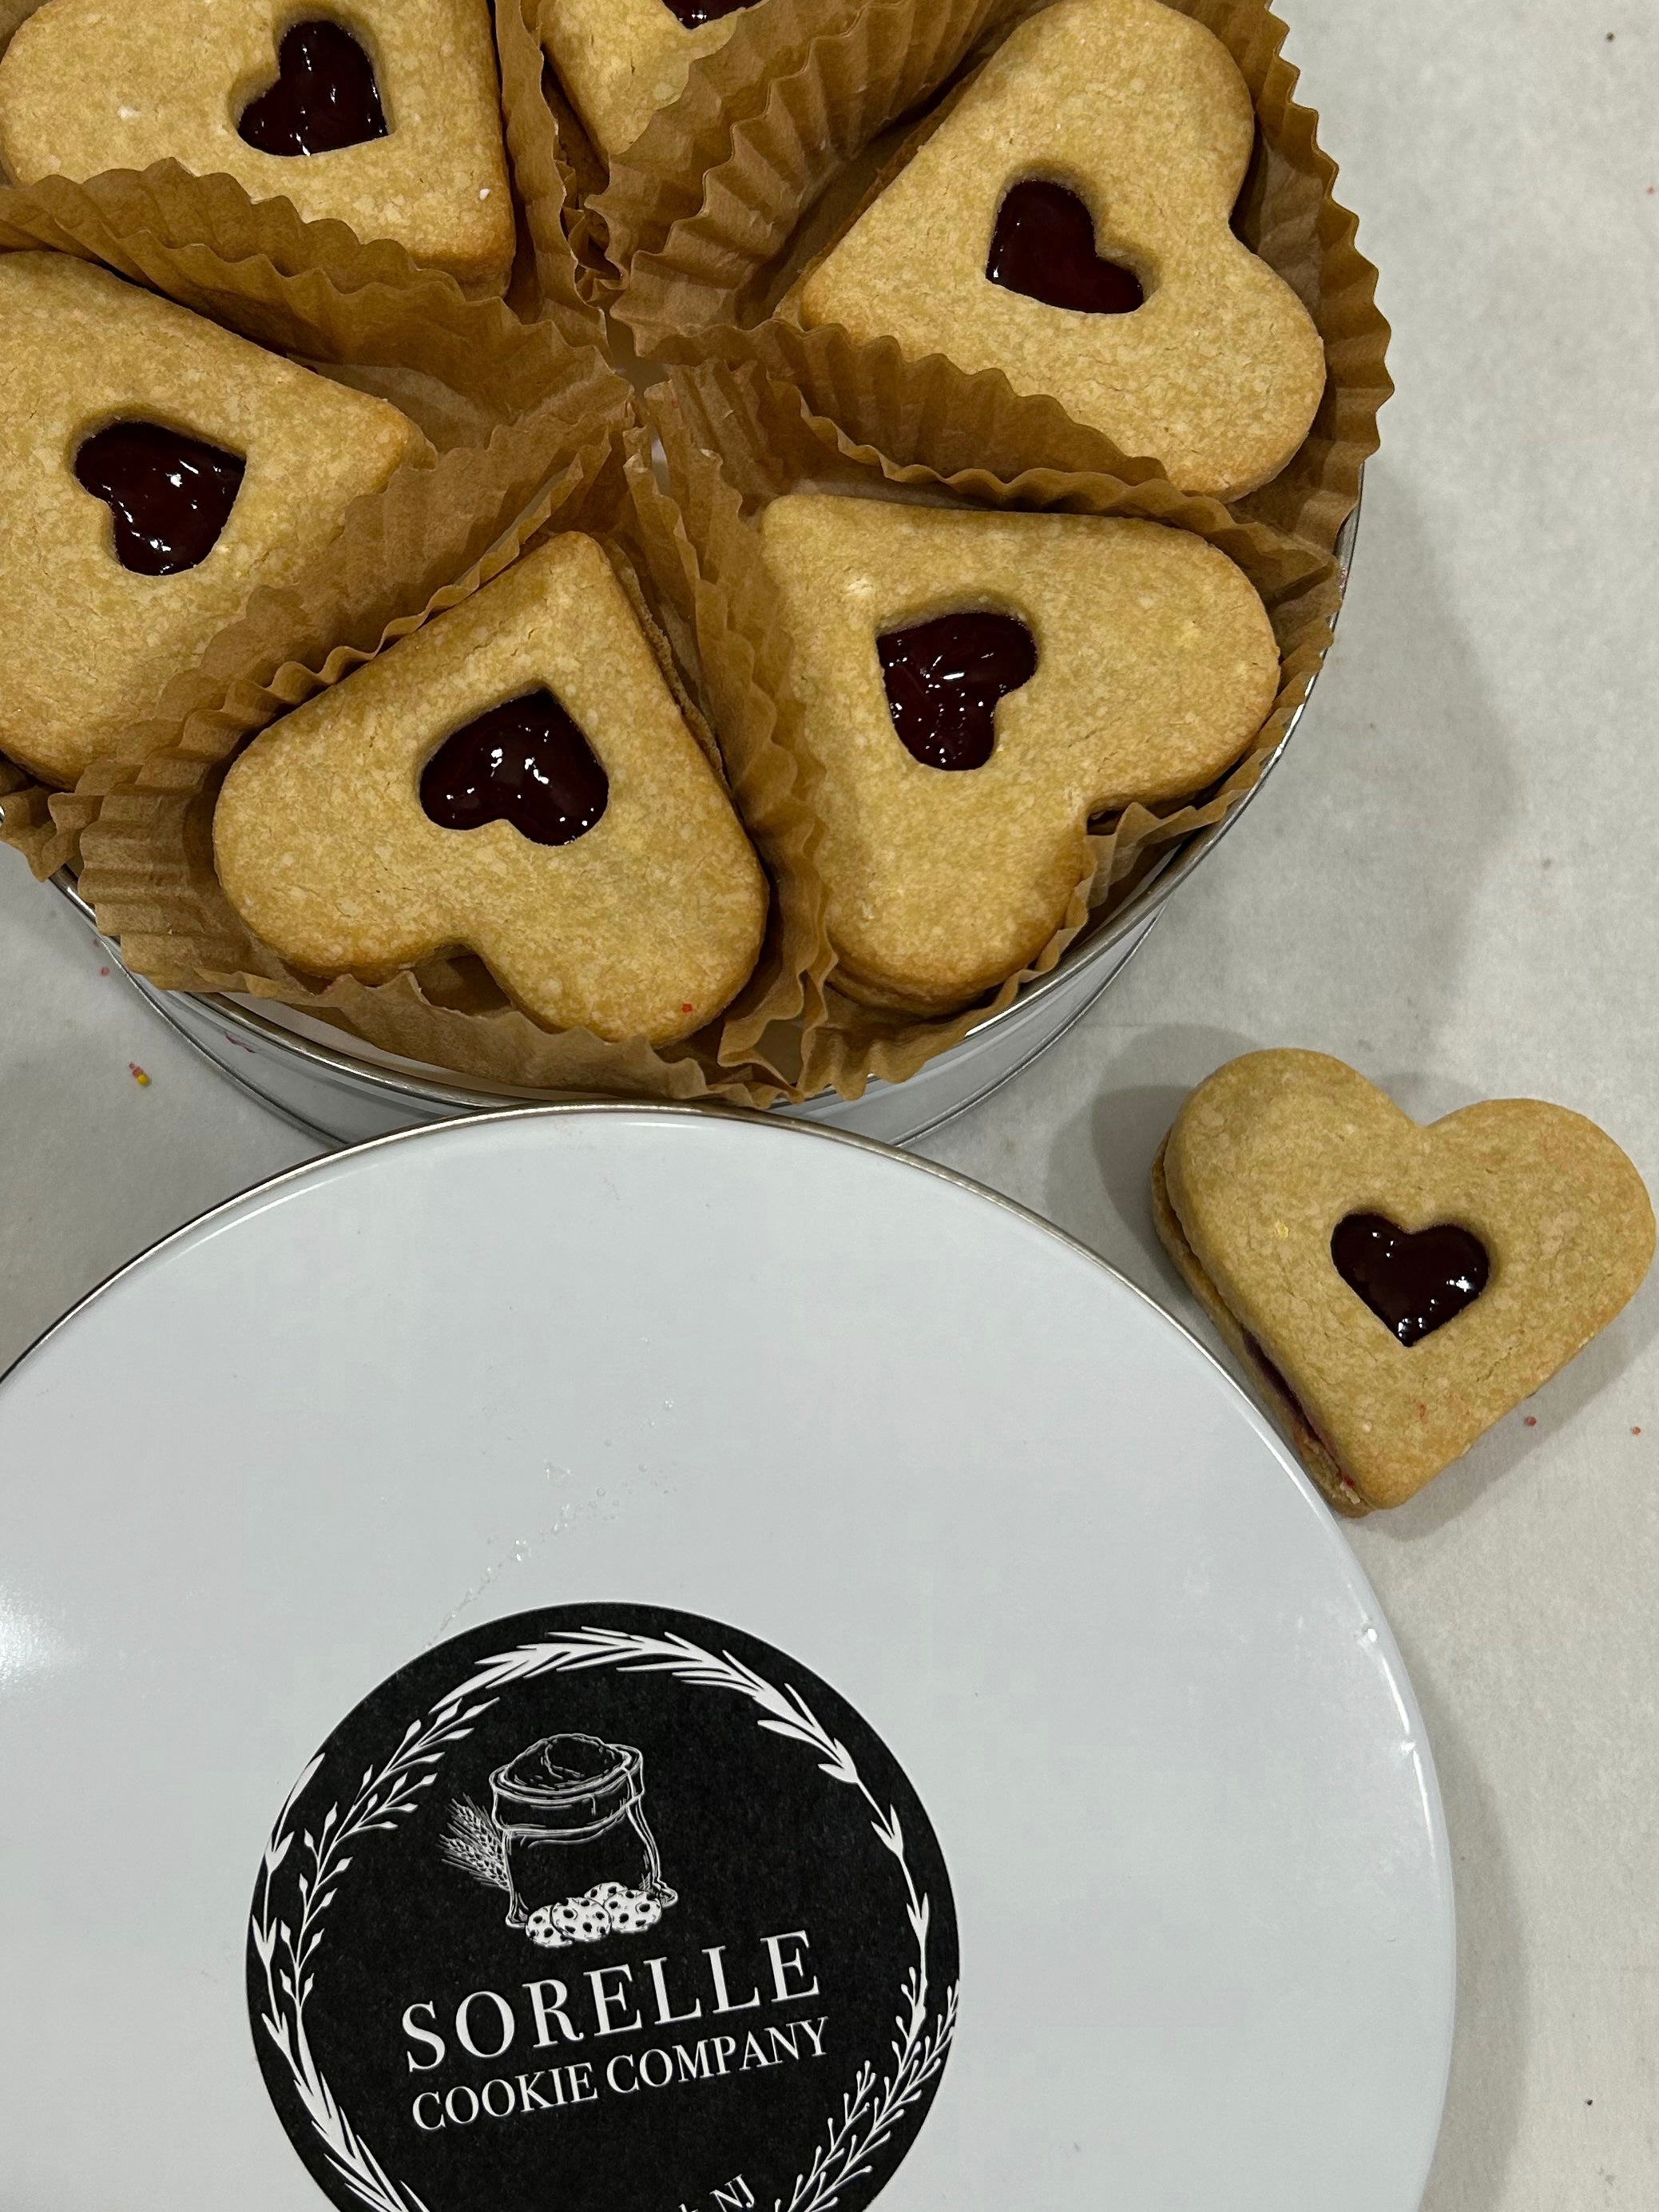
(545, 187)
(147, 849)
(766, 120)
(497, 398)
(709, 282)
(735, 439)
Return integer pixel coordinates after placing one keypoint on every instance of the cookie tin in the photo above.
(336, 1088)
(635, 1657)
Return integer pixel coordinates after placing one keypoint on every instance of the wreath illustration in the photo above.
(287, 1948)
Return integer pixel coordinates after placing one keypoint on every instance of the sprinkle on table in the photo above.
(138, 1075)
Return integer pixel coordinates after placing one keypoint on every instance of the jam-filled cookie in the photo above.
(514, 779)
(1069, 223)
(1393, 1290)
(620, 60)
(386, 116)
(154, 471)
(975, 687)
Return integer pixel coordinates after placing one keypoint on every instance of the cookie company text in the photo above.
(505, 2096)
(610, 2001)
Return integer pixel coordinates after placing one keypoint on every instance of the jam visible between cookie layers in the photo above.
(945, 680)
(525, 763)
(324, 97)
(1415, 1284)
(693, 14)
(170, 495)
(1044, 247)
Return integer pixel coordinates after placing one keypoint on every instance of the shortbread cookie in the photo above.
(387, 118)
(1093, 166)
(1394, 1290)
(620, 60)
(975, 688)
(154, 471)
(517, 780)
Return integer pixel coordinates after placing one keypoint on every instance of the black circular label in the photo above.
(606, 1907)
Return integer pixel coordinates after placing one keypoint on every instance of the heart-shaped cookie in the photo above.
(1394, 1290)
(1093, 164)
(622, 60)
(154, 471)
(515, 778)
(975, 687)
(270, 94)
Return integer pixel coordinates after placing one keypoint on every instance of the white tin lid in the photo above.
(879, 1599)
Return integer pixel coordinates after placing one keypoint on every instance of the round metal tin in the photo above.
(455, 1387)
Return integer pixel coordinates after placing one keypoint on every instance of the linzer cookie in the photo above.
(387, 119)
(1069, 224)
(975, 688)
(622, 60)
(155, 470)
(1393, 1290)
(514, 779)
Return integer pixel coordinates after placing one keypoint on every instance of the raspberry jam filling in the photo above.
(1044, 247)
(525, 763)
(324, 97)
(1414, 1283)
(945, 680)
(693, 14)
(170, 495)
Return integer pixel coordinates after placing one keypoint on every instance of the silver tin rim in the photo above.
(1149, 900)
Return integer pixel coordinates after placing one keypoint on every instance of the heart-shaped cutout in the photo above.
(1414, 1282)
(324, 96)
(170, 495)
(1279, 1195)
(1044, 247)
(945, 680)
(693, 14)
(525, 763)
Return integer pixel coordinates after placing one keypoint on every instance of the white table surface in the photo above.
(1450, 882)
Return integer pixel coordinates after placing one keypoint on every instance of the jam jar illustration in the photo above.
(571, 1811)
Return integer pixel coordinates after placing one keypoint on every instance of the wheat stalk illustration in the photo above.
(475, 1844)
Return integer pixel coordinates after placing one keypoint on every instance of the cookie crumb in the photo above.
(138, 1075)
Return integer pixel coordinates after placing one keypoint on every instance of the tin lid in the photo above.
(1030, 1803)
